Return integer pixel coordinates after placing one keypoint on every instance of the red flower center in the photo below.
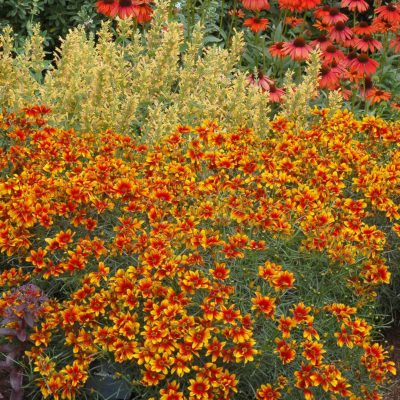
(299, 42)
(363, 58)
(125, 3)
(340, 26)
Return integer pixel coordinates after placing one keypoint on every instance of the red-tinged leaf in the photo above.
(22, 335)
(16, 379)
(8, 332)
(28, 317)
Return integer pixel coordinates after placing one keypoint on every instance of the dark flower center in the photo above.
(364, 24)
(322, 38)
(367, 38)
(352, 55)
(368, 83)
(334, 11)
(299, 42)
(340, 26)
(108, 1)
(391, 7)
(125, 3)
(279, 45)
(363, 58)
(379, 92)
(272, 88)
(326, 8)
(325, 70)
(331, 49)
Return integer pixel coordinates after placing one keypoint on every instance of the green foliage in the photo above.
(55, 17)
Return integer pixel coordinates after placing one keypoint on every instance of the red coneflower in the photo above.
(383, 26)
(376, 95)
(364, 65)
(329, 77)
(126, 8)
(261, 80)
(276, 49)
(366, 88)
(107, 7)
(395, 44)
(334, 16)
(349, 58)
(256, 24)
(340, 32)
(297, 50)
(332, 54)
(321, 12)
(367, 42)
(275, 93)
(364, 28)
(142, 13)
(256, 5)
(322, 41)
(355, 5)
(389, 12)
(298, 5)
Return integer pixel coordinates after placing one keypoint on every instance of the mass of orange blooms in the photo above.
(192, 262)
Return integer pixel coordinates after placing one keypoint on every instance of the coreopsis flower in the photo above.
(333, 16)
(276, 49)
(256, 24)
(264, 304)
(367, 43)
(376, 95)
(389, 12)
(340, 32)
(256, 5)
(267, 392)
(198, 388)
(355, 5)
(364, 65)
(297, 49)
(107, 7)
(236, 12)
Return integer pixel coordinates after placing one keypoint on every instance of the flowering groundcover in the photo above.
(213, 265)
